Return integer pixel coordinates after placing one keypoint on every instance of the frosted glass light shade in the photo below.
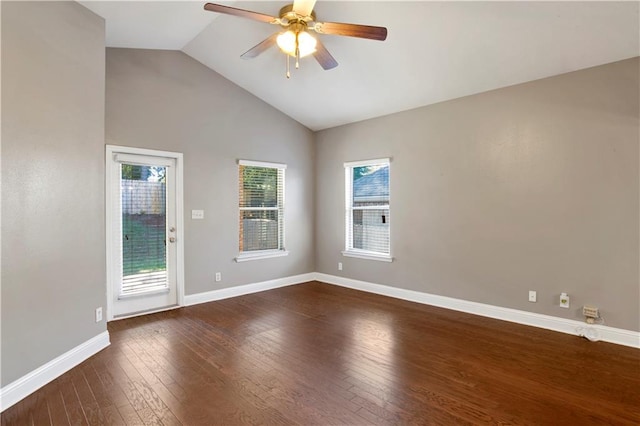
(287, 43)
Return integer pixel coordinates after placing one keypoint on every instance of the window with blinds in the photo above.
(367, 209)
(143, 200)
(261, 204)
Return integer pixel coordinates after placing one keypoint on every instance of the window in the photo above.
(261, 204)
(367, 209)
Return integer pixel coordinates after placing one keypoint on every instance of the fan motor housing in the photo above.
(287, 13)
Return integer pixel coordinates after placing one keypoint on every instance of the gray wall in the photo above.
(53, 252)
(166, 100)
(534, 186)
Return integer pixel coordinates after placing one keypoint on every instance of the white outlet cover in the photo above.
(533, 296)
(197, 214)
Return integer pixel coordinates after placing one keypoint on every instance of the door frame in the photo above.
(112, 194)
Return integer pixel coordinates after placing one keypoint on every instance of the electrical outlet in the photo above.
(339, 266)
(218, 277)
(197, 214)
(564, 300)
(99, 314)
(533, 296)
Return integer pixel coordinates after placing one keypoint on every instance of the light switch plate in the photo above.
(197, 214)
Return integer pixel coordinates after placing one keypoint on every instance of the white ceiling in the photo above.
(435, 51)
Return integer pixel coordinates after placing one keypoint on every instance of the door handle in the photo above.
(172, 229)
(172, 239)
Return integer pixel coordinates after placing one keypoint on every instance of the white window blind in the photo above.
(367, 208)
(261, 204)
(143, 202)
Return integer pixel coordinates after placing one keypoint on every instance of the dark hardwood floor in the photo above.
(319, 354)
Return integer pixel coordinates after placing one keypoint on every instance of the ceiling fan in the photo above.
(295, 40)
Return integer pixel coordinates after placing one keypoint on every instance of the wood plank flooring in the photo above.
(319, 354)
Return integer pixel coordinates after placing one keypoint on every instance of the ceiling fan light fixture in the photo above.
(289, 40)
(294, 40)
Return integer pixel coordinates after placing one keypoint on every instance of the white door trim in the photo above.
(111, 150)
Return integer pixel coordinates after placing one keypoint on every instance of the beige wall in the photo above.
(53, 252)
(531, 187)
(166, 100)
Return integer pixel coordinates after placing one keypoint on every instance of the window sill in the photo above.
(245, 257)
(368, 256)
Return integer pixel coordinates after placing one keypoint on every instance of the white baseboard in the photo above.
(225, 293)
(577, 328)
(31, 382)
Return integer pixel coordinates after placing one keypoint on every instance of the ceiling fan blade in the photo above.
(303, 7)
(351, 30)
(323, 57)
(260, 47)
(212, 7)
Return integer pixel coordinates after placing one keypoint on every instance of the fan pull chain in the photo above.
(288, 73)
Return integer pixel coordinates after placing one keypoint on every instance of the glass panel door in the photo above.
(144, 255)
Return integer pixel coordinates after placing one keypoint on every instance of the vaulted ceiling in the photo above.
(435, 51)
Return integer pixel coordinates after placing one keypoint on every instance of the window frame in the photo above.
(280, 208)
(349, 250)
